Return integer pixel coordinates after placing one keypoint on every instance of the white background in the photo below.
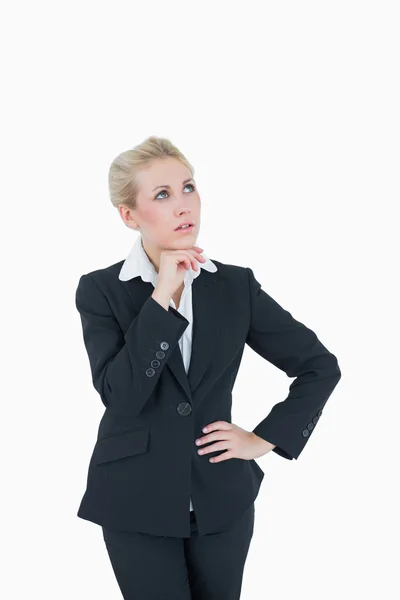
(289, 112)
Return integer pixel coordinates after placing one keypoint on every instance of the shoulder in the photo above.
(109, 272)
(99, 280)
(235, 276)
(231, 271)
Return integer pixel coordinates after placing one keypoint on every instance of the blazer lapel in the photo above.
(208, 307)
(208, 310)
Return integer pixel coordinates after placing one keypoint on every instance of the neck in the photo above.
(153, 253)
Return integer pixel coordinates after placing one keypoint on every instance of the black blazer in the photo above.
(145, 465)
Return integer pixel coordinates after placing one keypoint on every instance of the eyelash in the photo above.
(162, 191)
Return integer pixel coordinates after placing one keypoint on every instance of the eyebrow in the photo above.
(167, 186)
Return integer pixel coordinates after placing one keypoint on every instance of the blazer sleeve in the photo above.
(121, 363)
(295, 349)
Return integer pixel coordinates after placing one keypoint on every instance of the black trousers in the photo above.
(208, 567)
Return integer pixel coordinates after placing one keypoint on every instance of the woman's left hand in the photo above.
(237, 442)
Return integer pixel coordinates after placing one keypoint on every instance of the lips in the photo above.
(185, 223)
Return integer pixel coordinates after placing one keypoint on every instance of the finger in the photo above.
(217, 425)
(188, 258)
(224, 445)
(185, 260)
(194, 252)
(221, 457)
(194, 258)
(211, 437)
(194, 264)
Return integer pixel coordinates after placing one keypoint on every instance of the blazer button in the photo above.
(305, 432)
(150, 372)
(315, 419)
(155, 363)
(184, 409)
(164, 345)
(160, 354)
(310, 426)
(319, 413)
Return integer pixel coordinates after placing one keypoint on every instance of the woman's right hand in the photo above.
(173, 265)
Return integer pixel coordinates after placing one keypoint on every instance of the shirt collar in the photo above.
(137, 263)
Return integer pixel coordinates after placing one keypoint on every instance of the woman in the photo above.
(172, 481)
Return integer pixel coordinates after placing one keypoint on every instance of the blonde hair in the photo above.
(122, 182)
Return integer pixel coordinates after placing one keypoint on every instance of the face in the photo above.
(167, 197)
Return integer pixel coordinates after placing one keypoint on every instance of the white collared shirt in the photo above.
(138, 264)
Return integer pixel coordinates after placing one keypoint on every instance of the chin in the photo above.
(182, 238)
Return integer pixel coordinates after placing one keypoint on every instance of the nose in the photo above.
(184, 211)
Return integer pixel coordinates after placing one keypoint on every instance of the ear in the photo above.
(127, 217)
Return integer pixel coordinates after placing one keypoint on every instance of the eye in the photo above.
(165, 191)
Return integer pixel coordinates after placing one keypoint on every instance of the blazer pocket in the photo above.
(121, 445)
